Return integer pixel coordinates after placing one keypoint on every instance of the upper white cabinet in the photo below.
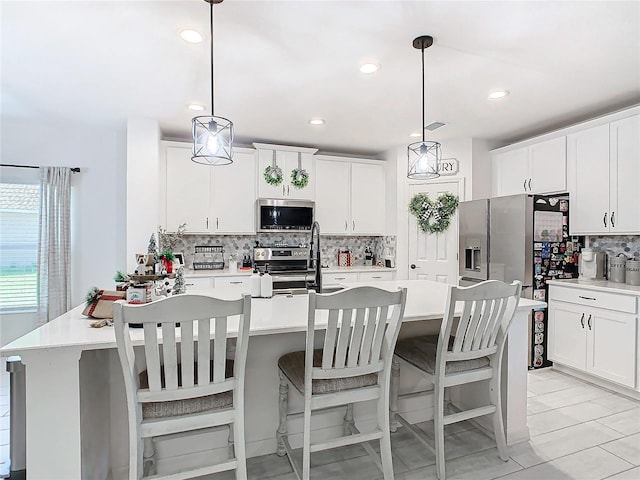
(287, 159)
(538, 168)
(350, 196)
(208, 199)
(604, 178)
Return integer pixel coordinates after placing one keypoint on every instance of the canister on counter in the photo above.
(617, 267)
(633, 272)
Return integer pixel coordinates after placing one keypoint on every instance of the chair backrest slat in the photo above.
(343, 338)
(152, 356)
(330, 338)
(487, 313)
(186, 353)
(204, 351)
(356, 337)
(169, 355)
(358, 319)
(220, 350)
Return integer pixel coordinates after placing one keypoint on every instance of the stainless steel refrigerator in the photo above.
(520, 237)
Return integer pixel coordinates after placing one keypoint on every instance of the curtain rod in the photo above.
(73, 169)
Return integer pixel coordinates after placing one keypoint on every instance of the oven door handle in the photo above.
(303, 277)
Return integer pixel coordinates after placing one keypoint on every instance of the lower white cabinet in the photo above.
(598, 341)
(342, 277)
(239, 281)
(198, 282)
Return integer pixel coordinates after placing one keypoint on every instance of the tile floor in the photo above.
(578, 431)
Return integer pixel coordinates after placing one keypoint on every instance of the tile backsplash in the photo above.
(629, 244)
(329, 245)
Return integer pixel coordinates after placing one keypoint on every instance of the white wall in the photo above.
(98, 226)
(143, 140)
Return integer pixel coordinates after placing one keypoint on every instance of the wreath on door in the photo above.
(433, 216)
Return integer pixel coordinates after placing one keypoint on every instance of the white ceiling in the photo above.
(279, 63)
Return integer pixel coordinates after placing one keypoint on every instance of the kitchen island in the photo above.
(76, 422)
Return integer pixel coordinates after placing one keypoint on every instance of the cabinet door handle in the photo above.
(378, 276)
(354, 224)
(589, 322)
(529, 184)
(613, 219)
(217, 223)
(287, 189)
(207, 223)
(238, 282)
(189, 284)
(524, 185)
(339, 278)
(605, 219)
(346, 225)
(586, 298)
(283, 189)
(582, 320)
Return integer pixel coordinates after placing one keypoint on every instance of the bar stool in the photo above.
(184, 386)
(470, 354)
(362, 326)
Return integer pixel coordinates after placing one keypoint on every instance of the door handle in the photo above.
(207, 223)
(586, 298)
(413, 266)
(529, 184)
(346, 225)
(354, 224)
(217, 223)
(582, 320)
(524, 185)
(613, 221)
(605, 219)
(287, 189)
(589, 322)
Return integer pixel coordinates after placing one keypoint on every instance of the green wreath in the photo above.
(433, 217)
(299, 178)
(273, 175)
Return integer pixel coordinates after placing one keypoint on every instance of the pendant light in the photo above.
(212, 136)
(423, 157)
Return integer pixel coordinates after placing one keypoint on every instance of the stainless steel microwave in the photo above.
(273, 215)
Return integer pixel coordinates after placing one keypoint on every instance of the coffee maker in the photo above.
(591, 265)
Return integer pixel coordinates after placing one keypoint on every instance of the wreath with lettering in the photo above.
(433, 216)
(273, 175)
(299, 178)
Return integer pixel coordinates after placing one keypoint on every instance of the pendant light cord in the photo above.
(423, 107)
(211, 40)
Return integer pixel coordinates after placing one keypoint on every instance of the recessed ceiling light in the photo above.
(191, 36)
(415, 134)
(369, 67)
(196, 107)
(316, 121)
(498, 94)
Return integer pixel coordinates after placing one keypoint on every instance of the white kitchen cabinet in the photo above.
(375, 276)
(595, 340)
(539, 168)
(350, 197)
(209, 199)
(338, 278)
(287, 160)
(604, 169)
(238, 281)
(198, 282)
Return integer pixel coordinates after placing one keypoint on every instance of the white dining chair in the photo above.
(188, 382)
(464, 353)
(360, 327)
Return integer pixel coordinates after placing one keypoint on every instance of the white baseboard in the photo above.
(600, 382)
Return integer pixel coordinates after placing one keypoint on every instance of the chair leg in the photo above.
(348, 421)
(283, 406)
(438, 423)
(306, 443)
(385, 440)
(149, 457)
(393, 400)
(239, 446)
(498, 424)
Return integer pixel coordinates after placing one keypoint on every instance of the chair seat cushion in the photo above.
(292, 366)
(421, 353)
(187, 406)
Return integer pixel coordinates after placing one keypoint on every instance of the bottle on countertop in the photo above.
(368, 256)
(266, 284)
(254, 284)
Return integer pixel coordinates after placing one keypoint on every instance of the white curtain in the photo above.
(54, 247)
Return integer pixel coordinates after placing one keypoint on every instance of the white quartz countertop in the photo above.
(190, 273)
(598, 285)
(280, 314)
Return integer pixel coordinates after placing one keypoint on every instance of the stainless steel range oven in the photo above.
(288, 265)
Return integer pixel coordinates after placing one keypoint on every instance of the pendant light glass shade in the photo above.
(423, 157)
(212, 135)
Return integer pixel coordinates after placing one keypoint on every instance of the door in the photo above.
(588, 152)
(367, 199)
(511, 172)
(332, 197)
(433, 256)
(233, 195)
(625, 176)
(611, 346)
(567, 334)
(548, 161)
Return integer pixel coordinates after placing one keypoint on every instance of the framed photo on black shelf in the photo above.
(179, 258)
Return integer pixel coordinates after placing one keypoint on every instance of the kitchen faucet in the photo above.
(315, 228)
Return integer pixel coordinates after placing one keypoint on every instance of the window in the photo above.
(19, 204)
